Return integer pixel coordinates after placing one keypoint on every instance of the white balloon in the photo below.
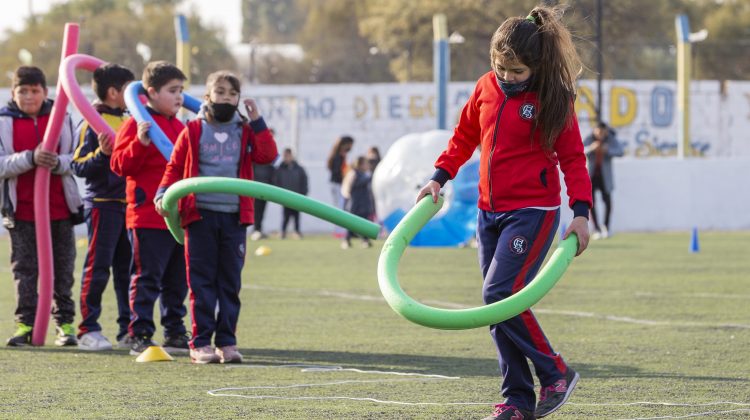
(405, 169)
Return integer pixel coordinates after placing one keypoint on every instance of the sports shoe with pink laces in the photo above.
(228, 354)
(203, 355)
(510, 412)
(552, 397)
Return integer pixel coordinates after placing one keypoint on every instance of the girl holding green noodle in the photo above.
(521, 115)
(219, 143)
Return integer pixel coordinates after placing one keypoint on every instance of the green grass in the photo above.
(638, 316)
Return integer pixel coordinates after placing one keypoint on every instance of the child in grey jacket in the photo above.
(22, 125)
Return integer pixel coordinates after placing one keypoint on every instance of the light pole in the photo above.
(684, 41)
(599, 59)
(253, 77)
(441, 67)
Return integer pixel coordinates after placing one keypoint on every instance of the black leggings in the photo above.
(597, 183)
(260, 210)
(290, 214)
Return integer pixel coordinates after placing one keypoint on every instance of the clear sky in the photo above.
(221, 13)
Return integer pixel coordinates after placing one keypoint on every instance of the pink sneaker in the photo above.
(203, 355)
(553, 396)
(228, 354)
(510, 412)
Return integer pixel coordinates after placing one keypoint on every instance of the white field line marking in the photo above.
(226, 392)
(619, 292)
(666, 404)
(693, 295)
(376, 372)
(367, 399)
(629, 320)
(707, 413)
(327, 368)
(221, 392)
(452, 305)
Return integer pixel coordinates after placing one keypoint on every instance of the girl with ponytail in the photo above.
(521, 115)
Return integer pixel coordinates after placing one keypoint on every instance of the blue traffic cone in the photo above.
(563, 228)
(694, 246)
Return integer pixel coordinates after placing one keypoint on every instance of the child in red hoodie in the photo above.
(521, 114)
(218, 143)
(158, 265)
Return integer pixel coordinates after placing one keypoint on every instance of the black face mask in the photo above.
(512, 89)
(222, 112)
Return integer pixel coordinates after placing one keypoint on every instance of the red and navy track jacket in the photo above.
(258, 146)
(142, 166)
(104, 189)
(515, 172)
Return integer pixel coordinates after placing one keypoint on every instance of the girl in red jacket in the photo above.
(218, 143)
(521, 116)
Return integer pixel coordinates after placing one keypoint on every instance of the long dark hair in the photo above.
(544, 44)
(341, 142)
(220, 75)
(358, 163)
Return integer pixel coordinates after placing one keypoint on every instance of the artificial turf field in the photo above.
(654, 331)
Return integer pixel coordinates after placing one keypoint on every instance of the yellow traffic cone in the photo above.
(154, 354)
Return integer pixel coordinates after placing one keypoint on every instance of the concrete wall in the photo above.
(673, 194)
(653, 190)
(657, 194)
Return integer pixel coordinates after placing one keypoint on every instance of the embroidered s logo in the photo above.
(527, 111)
(518, 245)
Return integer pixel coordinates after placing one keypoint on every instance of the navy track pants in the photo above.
(108, 247)
(512, 247)
(215, 254)
(157, 271)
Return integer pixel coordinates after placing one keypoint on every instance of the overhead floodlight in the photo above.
(698, 36)
(144, 51)
(456, 38)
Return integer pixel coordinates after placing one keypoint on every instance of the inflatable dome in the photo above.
(406, 167)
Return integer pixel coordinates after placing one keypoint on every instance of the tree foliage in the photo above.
(335, 48)
(388, 40)
(403, 31)
(726, 52)
(271, 21)
(639, 35)
(111, 30)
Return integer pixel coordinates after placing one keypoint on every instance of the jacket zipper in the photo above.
(492, 151)
(36, 131)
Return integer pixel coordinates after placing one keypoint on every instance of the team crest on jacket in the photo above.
(527, 111)
(518, 245)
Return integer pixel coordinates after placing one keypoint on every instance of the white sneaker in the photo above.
(94, 341)
(605, 233)
(204, 355)
(257, 235)
(229, 354)
(125, 342)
